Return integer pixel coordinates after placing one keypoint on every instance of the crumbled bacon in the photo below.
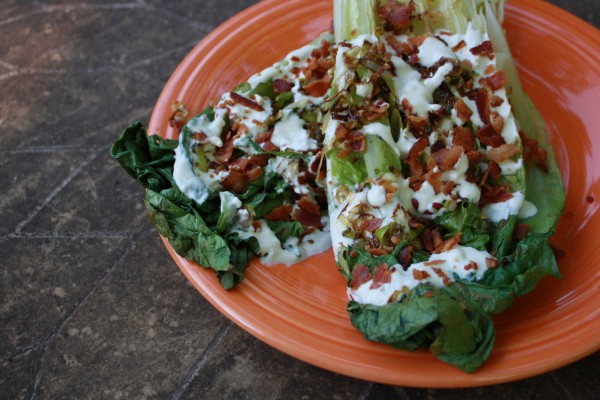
(371, 224)
(307, 212)
(281, 213)
(472, 265)
(493, 171)
(447, 245)
(397, 15)
(319, 166)
(246, 102)
(179, 115)
(462, 110)
(496, 101)
(497, 121)
(442, 275)
(431, 239)
(373, 111)
(236, 182)
(420, 275)
(316, 88)
(355, 141)
(447, 187)
(360, 275)
(503, 152)
(435, 180)
(223, 154)
(494, 82)
(382, 275)
(199, 136)
(262, 137)
(417, 125)
(446, 158)
(281, 86)
(459, 46)
(481, 98)
(488, 136)
(495, 193)
(484, 49)
(413, 156)
(464, 138)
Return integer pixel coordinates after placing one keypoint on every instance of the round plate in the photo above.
(301, 310)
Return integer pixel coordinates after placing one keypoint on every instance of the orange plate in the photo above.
(300, 310)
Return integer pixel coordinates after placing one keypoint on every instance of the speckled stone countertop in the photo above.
(91, 304)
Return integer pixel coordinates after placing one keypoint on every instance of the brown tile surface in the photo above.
(91, 304)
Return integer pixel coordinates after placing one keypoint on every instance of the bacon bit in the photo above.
(495, 193)
(239, 164)
(435, 180)
(484, 49)
(281, 86)
(395, 44)
(262, 137)
(319, 166)
(341, 131)
(414, 224)
(420, 275)
(491, 263)
(374, 111)
(503, 152)
(360, 275)
(447, 187)
(433, 262)
(199, 136)
(447, 245)
(462, 110)
(496, 101)
(494, 82)
(355, 141)
(481, 98)
(493, 170)
(442, 275)
(488, 136)
(179, 115)
(459, 46)
(376, 251)
(405, 256)
(471, 266)
(307, 213)
(254, 173)
(489, 69)
(474, 157)
(406, 106)
(413, 156)
(417, 125)
(436, 205)
(223, 154)
(396, 14)
(464, 138)
(533, 152)
(521, 231)
(371, 224)
(431, 238)
(497, 121)
(236, 182)
(446, 159)
(294, 59)
(316, 88)
(246, 102)
(281, 213)
(382, 275)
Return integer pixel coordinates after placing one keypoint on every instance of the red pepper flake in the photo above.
(246, 102)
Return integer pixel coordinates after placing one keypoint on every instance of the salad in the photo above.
(404, 141)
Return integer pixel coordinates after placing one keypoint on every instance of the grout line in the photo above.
(18, 17)
(197, 367)
(22, 352)
(56, 190)
(49, 339)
